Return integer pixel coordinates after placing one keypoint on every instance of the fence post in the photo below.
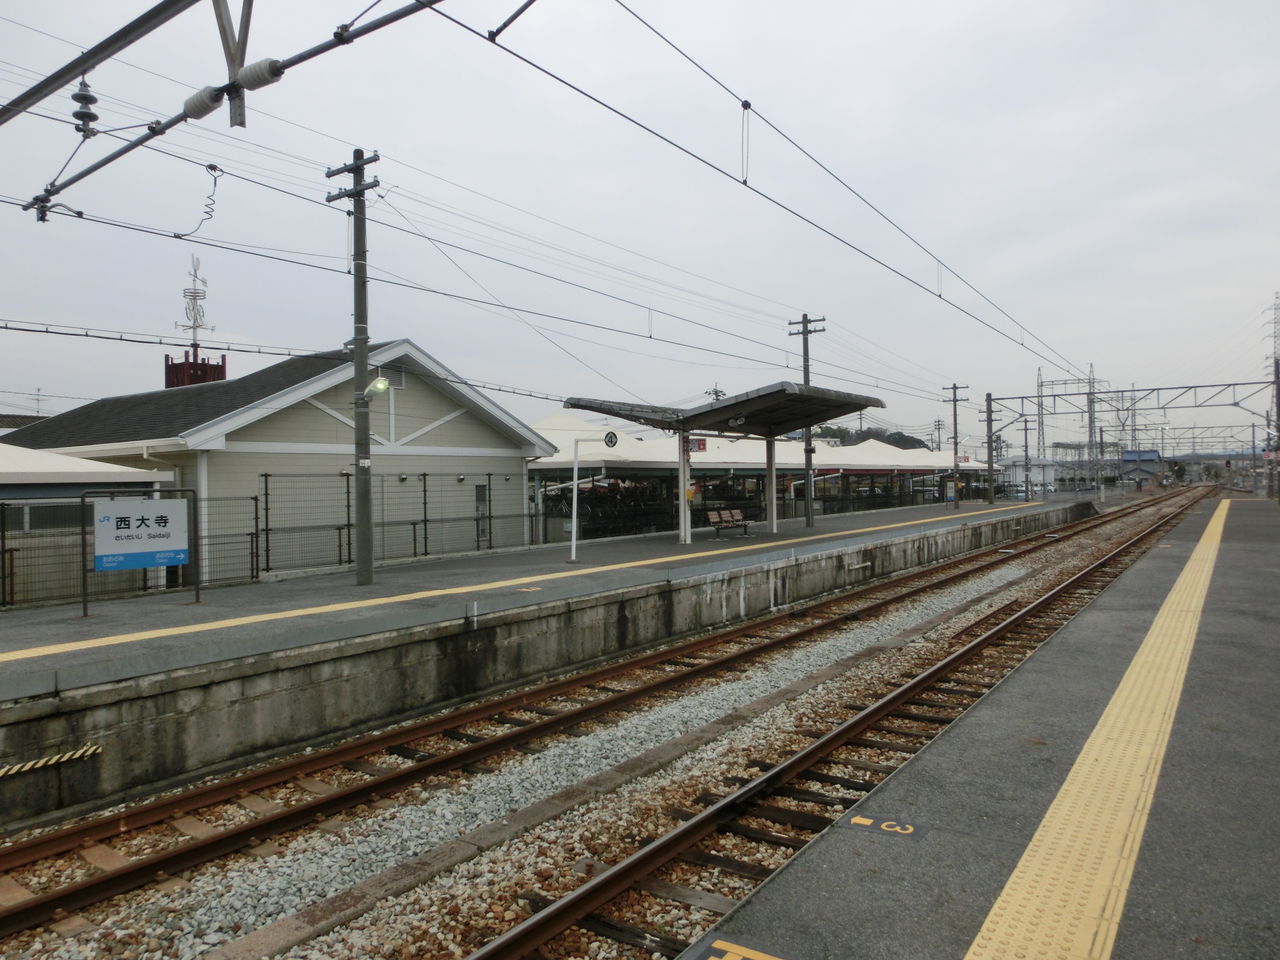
(266, 521)
(254, 544)
(346, 476)
(426, 545)
(488, 490)
(4, 554)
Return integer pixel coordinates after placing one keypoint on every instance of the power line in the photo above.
(746, 106)
(155, 232)
(693, 155)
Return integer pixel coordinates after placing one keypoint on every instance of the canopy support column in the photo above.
(771, 484)
(685, 488)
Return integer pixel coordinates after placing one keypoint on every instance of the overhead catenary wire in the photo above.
(748, 108)
(769, 198)
(159, 232)
(878, 381)
(152, 147)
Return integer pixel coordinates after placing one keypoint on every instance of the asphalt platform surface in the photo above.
(55, 644)
(1206, 882)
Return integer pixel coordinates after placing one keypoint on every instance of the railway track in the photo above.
(771, 809)
(97, 859)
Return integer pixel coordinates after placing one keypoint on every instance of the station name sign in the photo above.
(133, 534)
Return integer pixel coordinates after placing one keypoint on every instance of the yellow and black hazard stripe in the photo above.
(88, 750)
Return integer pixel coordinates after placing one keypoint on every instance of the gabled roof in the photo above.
(201, 415)
(12, 421)
(165, 414)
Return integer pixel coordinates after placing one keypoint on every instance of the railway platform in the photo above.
(1113, 797)
(51, 648)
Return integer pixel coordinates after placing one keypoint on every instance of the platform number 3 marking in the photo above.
(860, 822)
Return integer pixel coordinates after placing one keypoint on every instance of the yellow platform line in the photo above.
(328, 608)
(1065, 897)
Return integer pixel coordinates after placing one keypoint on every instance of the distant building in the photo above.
(1141, 466)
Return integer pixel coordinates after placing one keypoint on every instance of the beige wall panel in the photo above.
(300, 423)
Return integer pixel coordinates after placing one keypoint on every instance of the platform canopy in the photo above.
(772, 411)
(767, 412)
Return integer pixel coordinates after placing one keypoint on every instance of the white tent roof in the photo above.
(642, 447)
(21, 465)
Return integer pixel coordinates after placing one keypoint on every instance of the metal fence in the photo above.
(296, 522)
(307, 521)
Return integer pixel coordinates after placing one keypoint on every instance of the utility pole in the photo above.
(937, 435)
(955, 401)
(1026, 461)
(991, 453)
(360, 359)
(1275, 383)
(1092, 451)
(804, 332)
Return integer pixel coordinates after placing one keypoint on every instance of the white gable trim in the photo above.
(341, 418)
(525, 440)
(430, 426)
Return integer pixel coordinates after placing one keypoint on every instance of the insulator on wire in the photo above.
(202, 103)
(84, 115)
(259, 74)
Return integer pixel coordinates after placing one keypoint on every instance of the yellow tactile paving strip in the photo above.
(160, 632)
(1066, 895)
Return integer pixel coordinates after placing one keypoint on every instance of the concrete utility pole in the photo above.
(804, 332)
(991, 453)
(1275, 384)
(955, 436)
(359, 343)
(1026, 460)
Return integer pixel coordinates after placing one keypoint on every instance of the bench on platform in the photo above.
(727, 520)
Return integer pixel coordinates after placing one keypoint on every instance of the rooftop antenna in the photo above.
(194, 294)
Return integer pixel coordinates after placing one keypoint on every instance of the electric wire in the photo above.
(769, 198)
(747, 108)
(159, 232)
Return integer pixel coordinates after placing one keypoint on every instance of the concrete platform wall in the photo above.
(166, 729)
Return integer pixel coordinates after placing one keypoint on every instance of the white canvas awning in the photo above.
(19, 465)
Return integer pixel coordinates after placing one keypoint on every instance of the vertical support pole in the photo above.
(360, 359)
(360, 382)
(682, 481)
(1026, 461)
(771, 483)
(573, 513)
(1102, 466)
(991, 455)
(426, 547)
(955, 389)
(804, 333)
(1275, 380)
(266, 521)
(1253, 458)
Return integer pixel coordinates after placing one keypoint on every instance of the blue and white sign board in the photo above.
(132, 534)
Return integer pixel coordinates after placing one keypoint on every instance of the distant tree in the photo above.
(904, 442)
(835, 432)
(849, 437)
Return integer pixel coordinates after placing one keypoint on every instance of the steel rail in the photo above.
(522, 940)
(158, 811)
(41, 908)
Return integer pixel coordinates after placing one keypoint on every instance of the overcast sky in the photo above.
(1103, 172)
